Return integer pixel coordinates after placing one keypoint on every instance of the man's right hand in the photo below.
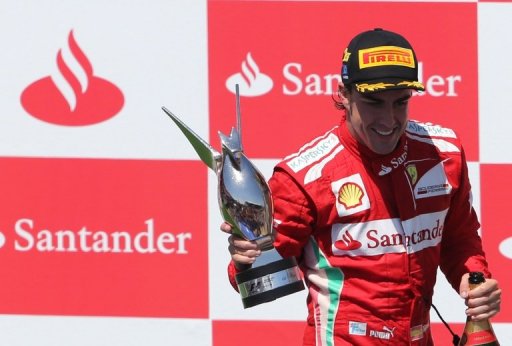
(243, 252)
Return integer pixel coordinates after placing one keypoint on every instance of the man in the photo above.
(373, 207)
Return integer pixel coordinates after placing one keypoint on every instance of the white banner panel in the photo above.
(142, 55)
(105, 331)
(494, 73)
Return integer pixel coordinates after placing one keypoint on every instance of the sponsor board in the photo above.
(85, 81)
(102, 237)
(287, 86)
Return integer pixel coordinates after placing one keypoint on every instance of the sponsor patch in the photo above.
(412, 172)
(433, 183)
(418, 331)
(357, 328)
(395, 162)
(350, 194)
(385, 170)
(386, 333)
(386, 56)
(347, 242)
(428, 129)
(388, 236)
(346, 55)
(313, 154)
(315, 171)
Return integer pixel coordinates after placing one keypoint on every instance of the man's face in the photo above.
(378, 119)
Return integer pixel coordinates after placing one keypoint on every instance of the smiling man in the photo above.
(383, 203)
(378, 120)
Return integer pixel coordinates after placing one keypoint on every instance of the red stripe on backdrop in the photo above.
(287, 72)
(103, 237)
(257, 333)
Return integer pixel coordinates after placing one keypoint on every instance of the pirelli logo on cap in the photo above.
(386, 56)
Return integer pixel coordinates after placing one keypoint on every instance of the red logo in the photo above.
(75, 97)
(347, 243)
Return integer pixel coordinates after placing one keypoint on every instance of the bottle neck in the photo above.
(473, 286)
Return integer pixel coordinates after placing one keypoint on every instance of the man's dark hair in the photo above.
(336, 97)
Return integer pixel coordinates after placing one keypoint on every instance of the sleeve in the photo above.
(461, 247)
(294, 214)
(293, 218)
(232, 271)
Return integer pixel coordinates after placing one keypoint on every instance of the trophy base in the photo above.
(268, 282)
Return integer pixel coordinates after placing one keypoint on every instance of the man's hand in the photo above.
(483, 301)
(243, 252)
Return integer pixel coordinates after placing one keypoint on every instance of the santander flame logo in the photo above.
(347, 242)
(74, 96)
(251, 81)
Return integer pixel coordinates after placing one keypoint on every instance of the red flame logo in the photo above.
(78, 98)
(347, 242)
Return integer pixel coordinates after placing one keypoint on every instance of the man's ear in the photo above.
(343, 95)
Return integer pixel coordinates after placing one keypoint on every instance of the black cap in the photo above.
(378, 60)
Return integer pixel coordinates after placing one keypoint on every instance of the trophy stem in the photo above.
(265, 243)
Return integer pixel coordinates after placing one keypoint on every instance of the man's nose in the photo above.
(388, 116)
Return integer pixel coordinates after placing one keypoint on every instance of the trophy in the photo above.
(246, 204)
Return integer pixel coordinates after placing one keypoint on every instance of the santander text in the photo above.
(297, 82)
(84, 240)
(416, 237)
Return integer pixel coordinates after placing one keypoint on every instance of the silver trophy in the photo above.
(245, 202)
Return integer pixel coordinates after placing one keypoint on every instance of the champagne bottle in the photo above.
(478, 333)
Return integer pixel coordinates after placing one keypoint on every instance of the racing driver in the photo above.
(373, 207)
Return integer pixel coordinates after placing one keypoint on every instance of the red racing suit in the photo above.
(370, 232)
